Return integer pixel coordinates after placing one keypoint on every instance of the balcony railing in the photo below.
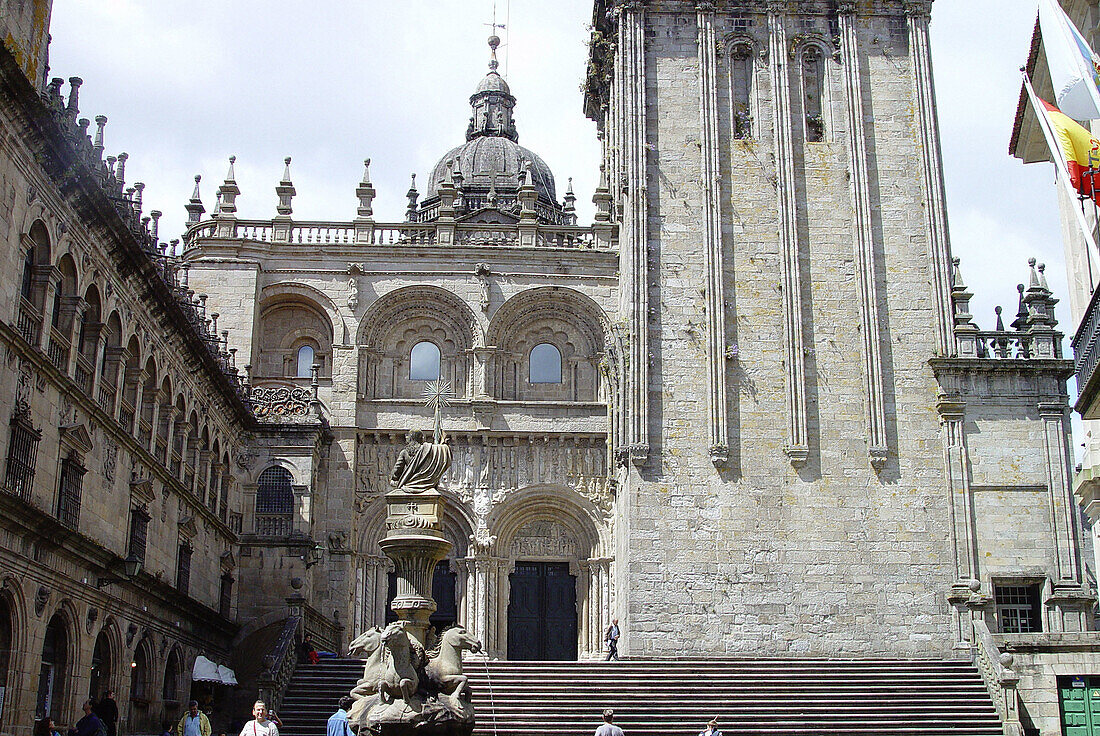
(405, 233)
(58, 350)
(126, 416)
(30, 322)
(107, 398)
(1086, 356)
(274, 525)
(83, 373)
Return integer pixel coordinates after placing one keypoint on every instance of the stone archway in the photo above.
(548, 532)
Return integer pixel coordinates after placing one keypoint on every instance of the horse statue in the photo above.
(367, 645)
(444, 668)
(401, 657)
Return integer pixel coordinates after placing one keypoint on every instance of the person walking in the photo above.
(107, 710)
(612, 639)
(260, 725)
(194, 722)
(711, 729)
(338, 721)
(608, 727)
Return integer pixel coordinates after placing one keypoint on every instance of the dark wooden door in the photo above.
(542, 612)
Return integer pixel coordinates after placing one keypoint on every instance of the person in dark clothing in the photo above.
(89, 725)
(107, 710)
(306, 651)
(45, 727)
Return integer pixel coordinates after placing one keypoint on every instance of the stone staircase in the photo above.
(677, 697)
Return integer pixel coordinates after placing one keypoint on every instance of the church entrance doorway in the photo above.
(542, 612)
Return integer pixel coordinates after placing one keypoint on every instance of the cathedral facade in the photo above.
(745, 411)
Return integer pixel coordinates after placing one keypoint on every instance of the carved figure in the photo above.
(369, 646)
(444, 668)
(421, 464)
(400, 659)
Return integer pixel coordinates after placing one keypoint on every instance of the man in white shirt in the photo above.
(608, 728)
(260, 725)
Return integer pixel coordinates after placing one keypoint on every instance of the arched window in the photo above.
(424, 362)
(51, 673)
(741, 90)
(99, 681)
(140, 671)
(305, 361)
(545, 364)
(813, 88)
(170, 691)
(274, 503)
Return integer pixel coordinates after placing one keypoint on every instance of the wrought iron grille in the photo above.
(22, 458)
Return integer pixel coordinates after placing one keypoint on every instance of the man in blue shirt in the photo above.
(338, 721)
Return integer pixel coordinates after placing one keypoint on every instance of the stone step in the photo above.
(674, 697)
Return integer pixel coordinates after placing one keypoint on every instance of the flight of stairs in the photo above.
(678, 697)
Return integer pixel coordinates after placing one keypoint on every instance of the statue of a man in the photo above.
(421, 464)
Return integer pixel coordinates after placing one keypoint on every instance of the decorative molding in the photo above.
(717, 392)
(864, 240)
(797, 447)
(931, 170)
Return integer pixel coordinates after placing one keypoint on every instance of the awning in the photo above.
(208, 671)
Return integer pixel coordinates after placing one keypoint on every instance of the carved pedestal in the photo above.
(414, 541)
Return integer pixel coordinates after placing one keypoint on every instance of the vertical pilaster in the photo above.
(931, 167)
(952, 413)
(1063, 508)
(712, 238)
(864, 239)
(797, 448)
(634, 300)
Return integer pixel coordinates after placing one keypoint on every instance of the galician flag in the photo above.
(1074, 67)
(1080, 150)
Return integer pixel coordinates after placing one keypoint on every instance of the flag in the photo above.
(1074, 66)
(1080, 150)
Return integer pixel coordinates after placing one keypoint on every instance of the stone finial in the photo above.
(120, 171)
(285, 191)
(1021, 310)
(84, 124)
(155, 215)
(228, 191)
(111, 164)
(73, 106)
(53, 92)
(100, 125)
(1000, 322)
(139, 189)
(570, 199)
(365, 192)
(413, 195)
(194, 207)
(1043, 277)
(1033, 280)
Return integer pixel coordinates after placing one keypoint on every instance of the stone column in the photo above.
(863, 238)
(717, 395)
(931, 170)
(634, 233)
(952, 411)
(797, 447)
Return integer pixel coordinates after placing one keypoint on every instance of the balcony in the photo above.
(83, 373)
(30, 322)
(274, 525)
(1086, 356)
(58, 350)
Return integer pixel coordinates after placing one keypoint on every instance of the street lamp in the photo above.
(131, 567)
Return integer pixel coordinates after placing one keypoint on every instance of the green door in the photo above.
(1080, 701)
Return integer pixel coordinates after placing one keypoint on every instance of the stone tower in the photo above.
(792, 374)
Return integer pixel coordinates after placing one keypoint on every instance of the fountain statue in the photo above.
(412, 681)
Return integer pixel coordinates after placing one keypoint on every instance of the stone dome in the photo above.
(493, 82)
(482, 157)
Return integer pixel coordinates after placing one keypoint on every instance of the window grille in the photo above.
(274, 503)
(22, 457)
(139, 531)
(1018, 608)
(68, 506)
(183, 568)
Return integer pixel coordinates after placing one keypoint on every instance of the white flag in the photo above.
(1074, 66)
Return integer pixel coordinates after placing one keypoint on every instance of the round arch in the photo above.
(557, 504)
(433, 301)
(295, 292)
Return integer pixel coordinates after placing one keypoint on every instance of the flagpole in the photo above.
(1070, 38)
(1061, 166)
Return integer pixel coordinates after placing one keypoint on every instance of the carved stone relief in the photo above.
(543, 539)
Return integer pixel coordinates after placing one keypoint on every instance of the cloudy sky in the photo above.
(186, 84)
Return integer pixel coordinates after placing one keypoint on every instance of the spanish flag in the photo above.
(1080, 149)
